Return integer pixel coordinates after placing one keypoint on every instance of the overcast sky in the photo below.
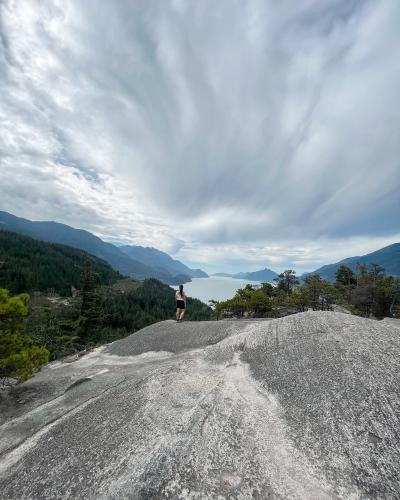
(233, 134)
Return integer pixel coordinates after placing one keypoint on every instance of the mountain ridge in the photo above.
(387, 257)
(261, 275)
(151, 256)
(56, 232)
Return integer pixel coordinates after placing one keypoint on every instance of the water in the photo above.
(214, 287)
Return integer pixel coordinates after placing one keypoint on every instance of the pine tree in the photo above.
(90, 317)
(345, 276)
(287, 280)
(19, 357)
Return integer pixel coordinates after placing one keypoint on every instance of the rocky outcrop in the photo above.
(305, 406)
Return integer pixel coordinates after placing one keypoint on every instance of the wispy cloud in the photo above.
(230, 133)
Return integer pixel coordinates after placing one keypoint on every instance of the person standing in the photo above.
(180, 303)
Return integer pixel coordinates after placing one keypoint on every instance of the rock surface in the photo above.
(305, 406)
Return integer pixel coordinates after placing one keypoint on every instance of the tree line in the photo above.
(368, 292)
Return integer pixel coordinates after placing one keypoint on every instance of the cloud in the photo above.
(203, 127)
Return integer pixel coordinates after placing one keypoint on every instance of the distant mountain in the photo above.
(28, 265)
(55, 232)
(161, 260)
(387, 257)
(264, 275)
(198, 273)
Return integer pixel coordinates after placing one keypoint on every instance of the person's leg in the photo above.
(182, 314)
(178, 313)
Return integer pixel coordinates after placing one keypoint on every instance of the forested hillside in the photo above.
(28, 265)
(55, 232)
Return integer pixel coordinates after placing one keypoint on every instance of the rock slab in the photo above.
(302, 407)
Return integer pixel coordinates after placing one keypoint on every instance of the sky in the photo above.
(235, 135)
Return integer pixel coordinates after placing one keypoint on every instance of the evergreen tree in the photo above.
(267, 289)
(375, 294)
(260, 304)
(394, 308)
(322, 294)
(19, 357)
(57, 334)
(90, 317)
(345, 276)
(361, 271)
(246, 292)
(313, 285)
(287, 280)
(376, 272)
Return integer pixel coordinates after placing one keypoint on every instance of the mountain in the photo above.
(28, 265)
(265, 275)
(387, 257)
(198, 273)
(55, 232)
(161, 260)
(262, 275)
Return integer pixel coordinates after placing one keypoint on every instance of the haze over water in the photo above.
(214, 287)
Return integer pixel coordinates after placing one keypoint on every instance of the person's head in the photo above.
(181, 289)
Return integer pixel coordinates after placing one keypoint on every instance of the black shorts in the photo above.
(180, 304)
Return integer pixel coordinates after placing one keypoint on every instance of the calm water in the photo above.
(214, 287)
